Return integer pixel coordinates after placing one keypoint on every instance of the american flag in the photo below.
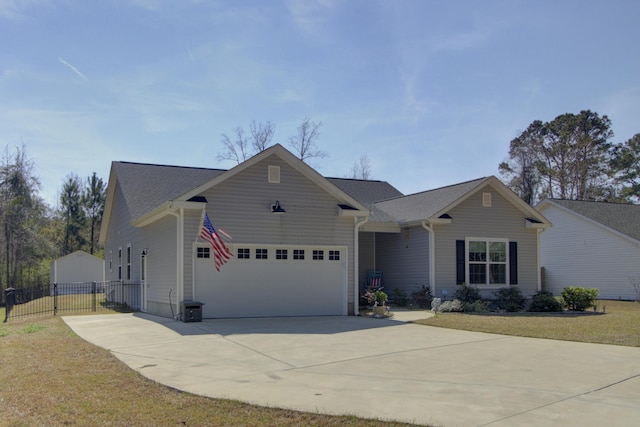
(216, 238)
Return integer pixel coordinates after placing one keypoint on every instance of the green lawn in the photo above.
(620, 325)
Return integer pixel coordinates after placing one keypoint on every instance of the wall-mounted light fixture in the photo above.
(144, 252)
(277, 209)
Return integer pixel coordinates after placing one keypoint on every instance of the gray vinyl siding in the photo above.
(471, 219)
(578, 252)
(121, 234)
(403, 259)
(241, 206)
(366, 246)
(160, 238)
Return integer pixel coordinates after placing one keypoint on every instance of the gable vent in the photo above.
(274, 174)
(486, 200)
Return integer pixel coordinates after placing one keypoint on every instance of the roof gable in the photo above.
(293, 161)
(433, 204)
(622, 218)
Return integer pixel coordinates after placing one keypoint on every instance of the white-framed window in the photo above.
(244, 253)
(487, 261)
(119, 263)
(282, 253)
(298, 254)
(318, 254)
(334, 255)
(128, 262)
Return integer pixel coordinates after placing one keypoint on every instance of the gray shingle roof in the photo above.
(623, 218)
(147, 186)
(423, 205)
(368, 192)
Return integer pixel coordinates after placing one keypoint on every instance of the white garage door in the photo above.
(267, 280)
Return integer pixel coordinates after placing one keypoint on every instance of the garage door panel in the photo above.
(262, 288)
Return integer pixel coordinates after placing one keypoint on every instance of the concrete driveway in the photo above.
(374, 368)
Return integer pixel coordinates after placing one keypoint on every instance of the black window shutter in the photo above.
(513, 263)
(460, 262)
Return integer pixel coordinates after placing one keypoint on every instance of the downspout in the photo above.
(356, 263)
(179, 258)
(432, 262)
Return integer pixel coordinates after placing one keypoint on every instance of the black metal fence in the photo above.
(72, 297)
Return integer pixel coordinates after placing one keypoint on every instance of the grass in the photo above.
(620, 325)
(51, 377)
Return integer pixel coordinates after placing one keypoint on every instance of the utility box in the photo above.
(192, 311)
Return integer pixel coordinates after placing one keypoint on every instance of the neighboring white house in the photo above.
(591, 245)
(77, 267)
(303, 243)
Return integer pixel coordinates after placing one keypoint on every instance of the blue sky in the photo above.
(431, 91)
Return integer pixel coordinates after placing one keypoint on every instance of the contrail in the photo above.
(74, 69)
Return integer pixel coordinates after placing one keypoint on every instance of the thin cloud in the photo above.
(72, 68)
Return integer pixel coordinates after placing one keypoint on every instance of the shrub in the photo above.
(399, 296)
(544, 301)
(451, 306)
(510, 299)
(422, 297)
(579, 299)
(467, 294)
(381, 298)
(477, 306)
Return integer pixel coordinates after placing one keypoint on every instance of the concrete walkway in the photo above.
(380, 368)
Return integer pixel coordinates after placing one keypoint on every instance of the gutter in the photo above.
(356, 262)
(432, 263)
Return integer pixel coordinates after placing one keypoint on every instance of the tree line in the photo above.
(34, 233)
(573, 157)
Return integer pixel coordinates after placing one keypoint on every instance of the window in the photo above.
(298, 254)
(334, 255)
(119, 263)
(487, 261)
(129, 262)
(318, 255)
(203, 252)
(281, 253)
(261, 253)
(244, 253)
(110, 261)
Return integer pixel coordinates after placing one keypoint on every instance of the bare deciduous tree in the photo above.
(261, 135)
(304, 143)
(237, 150)
(361, 169)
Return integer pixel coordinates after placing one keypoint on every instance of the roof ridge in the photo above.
(447, 186)
(602, 202)
(355, 179)
(169, 166)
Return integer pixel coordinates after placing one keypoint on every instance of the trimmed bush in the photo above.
(451, 306)
(467, 294)
(510, 299)
(543, 302)
(477, 306)
(579, 299)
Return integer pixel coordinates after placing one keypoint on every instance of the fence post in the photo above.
(10, 301)
(55, 299)
(93, 291)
